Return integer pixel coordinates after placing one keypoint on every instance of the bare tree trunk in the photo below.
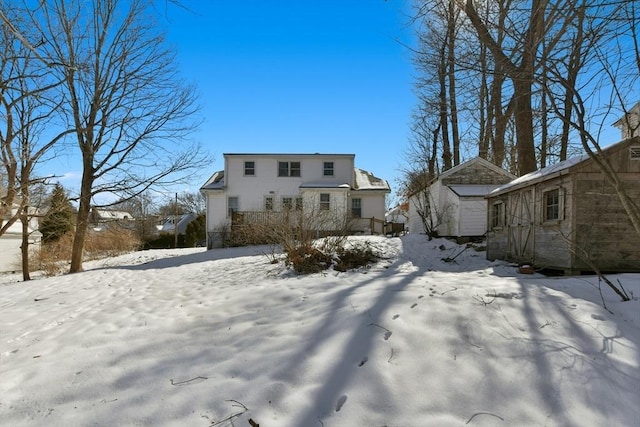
(24, 247)
(486, 118)
(452, 15)
(444, 125)
(544, 128)
(521, 76)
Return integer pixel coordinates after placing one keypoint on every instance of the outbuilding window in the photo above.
(249, 168)
(552, 205)
(497, 215)
(327, 169)
(634, 152)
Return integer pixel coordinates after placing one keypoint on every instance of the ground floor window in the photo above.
(268, 203)
(356, 208)
(232, 205)
(325, 201)
(497, 215)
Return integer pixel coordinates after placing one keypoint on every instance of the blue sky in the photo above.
(300, 76)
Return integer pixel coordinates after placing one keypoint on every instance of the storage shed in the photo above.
(458, 199)
(568, 217)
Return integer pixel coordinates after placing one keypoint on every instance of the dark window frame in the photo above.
(289, 169)
(249, 168)
(356, 211)
(328, 169)
(325, 205)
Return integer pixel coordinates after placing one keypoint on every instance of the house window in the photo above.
(232, 205)
(497, 215)
(552, 205)
(249, 168)
(268, 203)
(298, 203)
(328, 169)
(325, 199)
(288, 168)
(287, 203)
(356, 208)
(634, 152)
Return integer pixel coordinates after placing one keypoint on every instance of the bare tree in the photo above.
(27, 107)
(123, 98)
(606, 45)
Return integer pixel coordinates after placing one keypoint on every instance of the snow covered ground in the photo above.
(224, 338)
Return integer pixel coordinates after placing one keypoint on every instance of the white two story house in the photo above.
(324, 183)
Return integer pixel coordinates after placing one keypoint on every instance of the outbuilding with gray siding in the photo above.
(568, 216)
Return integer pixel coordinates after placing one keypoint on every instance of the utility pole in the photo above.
(175, 223)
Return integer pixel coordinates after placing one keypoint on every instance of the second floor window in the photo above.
(325, 201)
(288, 168)
(249, 168)
(327, 169)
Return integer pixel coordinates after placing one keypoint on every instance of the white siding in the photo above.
(473, 217)
(449, 209)
(252, 190)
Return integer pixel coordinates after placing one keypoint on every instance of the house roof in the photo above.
(634, 111)
(290, 154)
(470, 162)
(112, 215)
(363, 181)
(367, 181)
(216, 182)
(472, 190)
(553, 170)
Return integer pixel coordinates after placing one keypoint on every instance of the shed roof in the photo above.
(553, 170)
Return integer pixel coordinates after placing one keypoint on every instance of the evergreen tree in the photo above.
(59, 218)
(196, 231)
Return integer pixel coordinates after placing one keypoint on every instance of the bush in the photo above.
(355, 257)
(196, 231)
(164, 241)
(54, 257)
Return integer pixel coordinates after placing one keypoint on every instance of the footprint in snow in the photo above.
(414, 305)
(421, 296)
(341, 402)
(387, 335)
(363, 361)
(395, 316)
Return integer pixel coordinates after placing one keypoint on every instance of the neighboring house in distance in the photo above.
(630, 125)
(271, 182)
(11, 241)
(101, 219)
(551, 217)
(457, 197)
(398, 214)
(167, 225)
